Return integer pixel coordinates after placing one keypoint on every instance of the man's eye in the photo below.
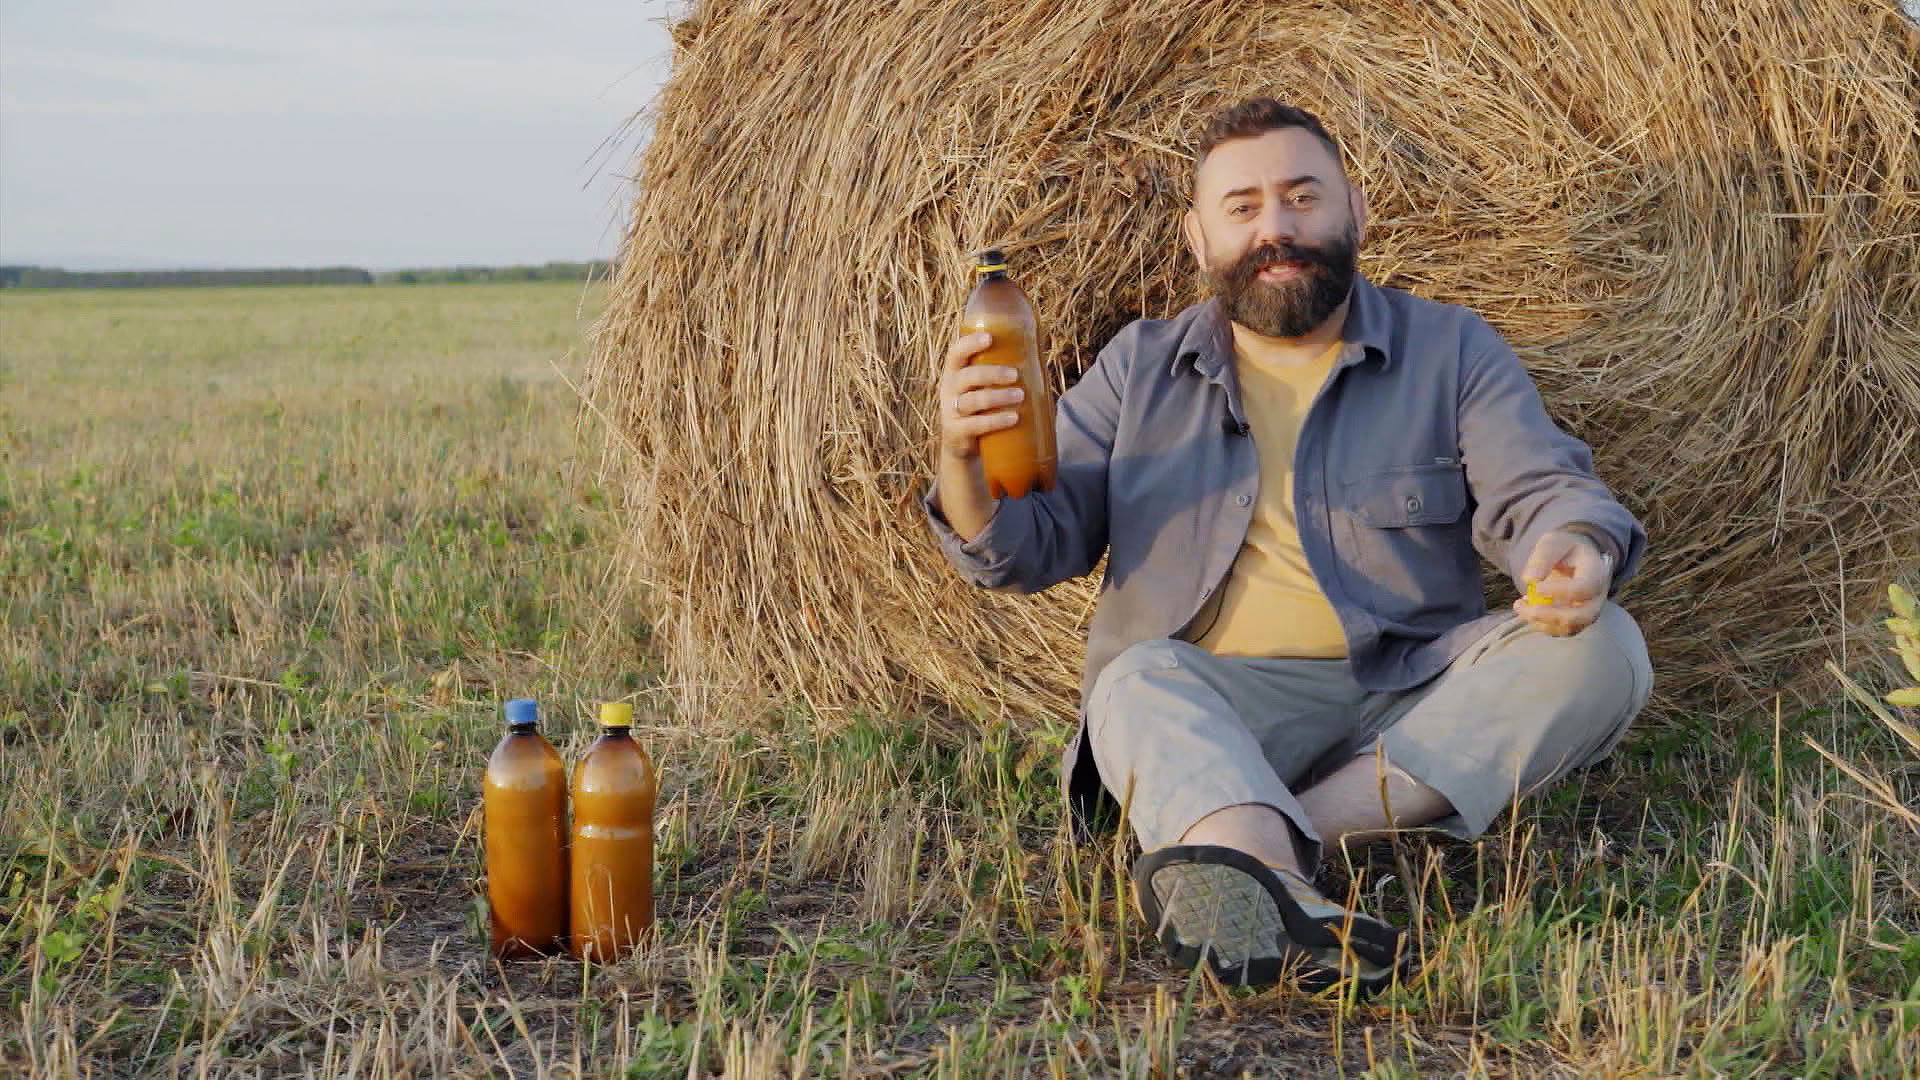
(1305, 200)
(1238, 209)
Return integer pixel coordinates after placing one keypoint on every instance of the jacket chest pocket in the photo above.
(1402, 546)
(1408, 496)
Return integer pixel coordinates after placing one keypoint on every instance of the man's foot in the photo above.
(1380, 952)
(1256, 925)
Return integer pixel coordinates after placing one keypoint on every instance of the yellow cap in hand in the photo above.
(1534, 599)
(616, 714)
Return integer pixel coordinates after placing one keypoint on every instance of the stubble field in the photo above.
(271, 560)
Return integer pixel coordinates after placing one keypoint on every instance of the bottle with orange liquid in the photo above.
(612, 883)
(1019, 459)
(524, 800)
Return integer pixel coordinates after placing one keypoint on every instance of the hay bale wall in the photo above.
(1699, 223)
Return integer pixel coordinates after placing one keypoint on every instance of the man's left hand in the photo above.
(1569, 571)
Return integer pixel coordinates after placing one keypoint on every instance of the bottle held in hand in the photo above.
(524, 800)
(1019, 459)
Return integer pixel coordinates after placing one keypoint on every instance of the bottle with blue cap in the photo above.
(524, 795)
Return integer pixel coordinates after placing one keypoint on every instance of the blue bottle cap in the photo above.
(523, 712)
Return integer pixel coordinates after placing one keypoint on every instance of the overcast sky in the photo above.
(375, 133)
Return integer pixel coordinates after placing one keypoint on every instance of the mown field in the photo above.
(271, 560)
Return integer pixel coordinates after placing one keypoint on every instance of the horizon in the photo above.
(382, 136)
(113, 266)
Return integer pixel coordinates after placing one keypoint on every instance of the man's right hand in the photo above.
(974, 400)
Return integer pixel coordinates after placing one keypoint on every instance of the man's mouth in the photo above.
(1281, 271)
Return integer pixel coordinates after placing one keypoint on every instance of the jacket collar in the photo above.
(1207, 346)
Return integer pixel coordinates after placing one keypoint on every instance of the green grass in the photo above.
(271, 559)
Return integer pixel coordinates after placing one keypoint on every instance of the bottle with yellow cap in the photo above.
(524, 830)
(612, 883)
(1019, 459)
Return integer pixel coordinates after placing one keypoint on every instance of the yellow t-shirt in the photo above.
(1270, 605)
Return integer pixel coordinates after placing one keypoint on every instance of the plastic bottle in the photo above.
(613, 797)
(524, 799)
(1018, 459)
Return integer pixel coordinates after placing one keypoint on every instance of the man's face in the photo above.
(1276, 229)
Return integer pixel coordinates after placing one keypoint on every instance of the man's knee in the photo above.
(1153, 654)
(1612, 667)
(1590, 688)
(1603, 668)
(1568, 697)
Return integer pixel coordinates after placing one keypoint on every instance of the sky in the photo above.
(372, 133)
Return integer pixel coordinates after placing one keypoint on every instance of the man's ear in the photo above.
(1357, 206)
(1196, 241)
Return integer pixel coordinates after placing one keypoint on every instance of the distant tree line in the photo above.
(553, 271)
(46, 277)
(41, 277)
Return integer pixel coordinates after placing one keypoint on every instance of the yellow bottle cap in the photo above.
(616, 714)
(1534, 599)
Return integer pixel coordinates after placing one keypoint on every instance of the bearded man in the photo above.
(1293, 484)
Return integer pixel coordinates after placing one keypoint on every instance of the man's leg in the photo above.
(1351, 804)
(1516, 712)
(1200, 749)
(1260, 831)
(1172, 729)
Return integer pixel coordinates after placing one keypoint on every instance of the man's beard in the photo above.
(1289, 309)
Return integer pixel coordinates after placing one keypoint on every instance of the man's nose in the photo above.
(1277, 224)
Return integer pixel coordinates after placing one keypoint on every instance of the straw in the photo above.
(1698, 224)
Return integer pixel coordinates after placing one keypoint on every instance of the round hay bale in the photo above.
(1699, 225)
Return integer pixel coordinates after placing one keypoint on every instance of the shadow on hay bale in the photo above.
(1700, 228)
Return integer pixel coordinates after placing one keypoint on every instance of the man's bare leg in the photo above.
(1257, 829)
(1344, 807)
(1347, 806)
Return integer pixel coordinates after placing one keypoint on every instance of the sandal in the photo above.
(1203, 900)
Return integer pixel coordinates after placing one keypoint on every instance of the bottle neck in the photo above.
(616, 733)
(523, 729)
(989, 275)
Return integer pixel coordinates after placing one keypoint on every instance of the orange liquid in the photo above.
(612, 880)
(1020, 459)
(524, 799)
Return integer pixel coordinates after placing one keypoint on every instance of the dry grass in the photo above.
(273, 559)
(1698, 222)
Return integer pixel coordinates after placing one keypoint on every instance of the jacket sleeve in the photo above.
(1527, 476)
(1037, 542)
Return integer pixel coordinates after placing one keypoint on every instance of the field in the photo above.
(271, 559)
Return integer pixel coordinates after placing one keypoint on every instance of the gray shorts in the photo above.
(1179, 733)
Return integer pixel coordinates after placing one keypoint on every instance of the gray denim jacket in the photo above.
(1427, 447)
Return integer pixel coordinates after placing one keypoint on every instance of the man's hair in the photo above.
(1257, 116)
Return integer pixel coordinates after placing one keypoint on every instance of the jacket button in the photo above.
(1413, 504)
(1245, 500)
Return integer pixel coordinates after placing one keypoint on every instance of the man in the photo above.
(1293, 482)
